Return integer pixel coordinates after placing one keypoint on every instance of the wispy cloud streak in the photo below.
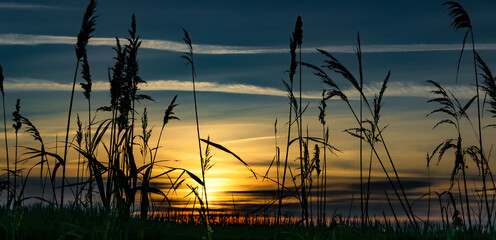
(165, 45)
(395, 89)
(25, 6)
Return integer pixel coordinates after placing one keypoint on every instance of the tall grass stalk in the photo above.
(87, 28)
(168, 116)
(335, 65)
(190, 60)
(298, 38)
(17, 125)
(489, 87)
(293, 105)
(5, 135)
(325, 136)
(461, 20)
(360, 72)
(455, 111)
(79, 139)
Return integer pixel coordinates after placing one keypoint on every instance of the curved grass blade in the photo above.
(220, 147)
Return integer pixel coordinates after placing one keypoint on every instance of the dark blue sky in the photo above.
(260, 24)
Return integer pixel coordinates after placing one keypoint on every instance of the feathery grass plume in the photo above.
(146, 134)
(117, 74)
(87, 28)
(5, 136)
(168, 116)
(316, 159)
(459, 15)
(461, 20)
(85, 72)
(87, 91)
(79, 139)
(455, 111)
(79, 131)
(132, 82)
(132, 66)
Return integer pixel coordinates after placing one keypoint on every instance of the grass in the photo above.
(50, 223)
(121, 201)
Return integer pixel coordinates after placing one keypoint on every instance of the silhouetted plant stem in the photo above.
(338, 67)
(461, 20)
(297, 36)
(427, 224)
(368, 193)
(410, 211)
(285, 161)
(392, 210)
(325, 137)
(17, 125)
(67, 136)
(482, 155)
(469, 215)
(359, 55)
(452, 107)
(5, 135)
(79, 138)
(189, 58)
(87, 28)
(461, 200)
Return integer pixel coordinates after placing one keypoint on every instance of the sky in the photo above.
(241, 57)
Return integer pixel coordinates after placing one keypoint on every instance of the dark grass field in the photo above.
(47, 223)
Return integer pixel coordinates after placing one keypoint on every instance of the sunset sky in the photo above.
(242, 55)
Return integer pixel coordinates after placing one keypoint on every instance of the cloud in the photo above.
(165, 45)
(248, 139)
(24, 6)
(399, 89)
(395, 89)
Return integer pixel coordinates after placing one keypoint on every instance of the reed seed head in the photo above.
(87, 77)
(87, 28)
(169, 114)
(460, 17)
(17, 116)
